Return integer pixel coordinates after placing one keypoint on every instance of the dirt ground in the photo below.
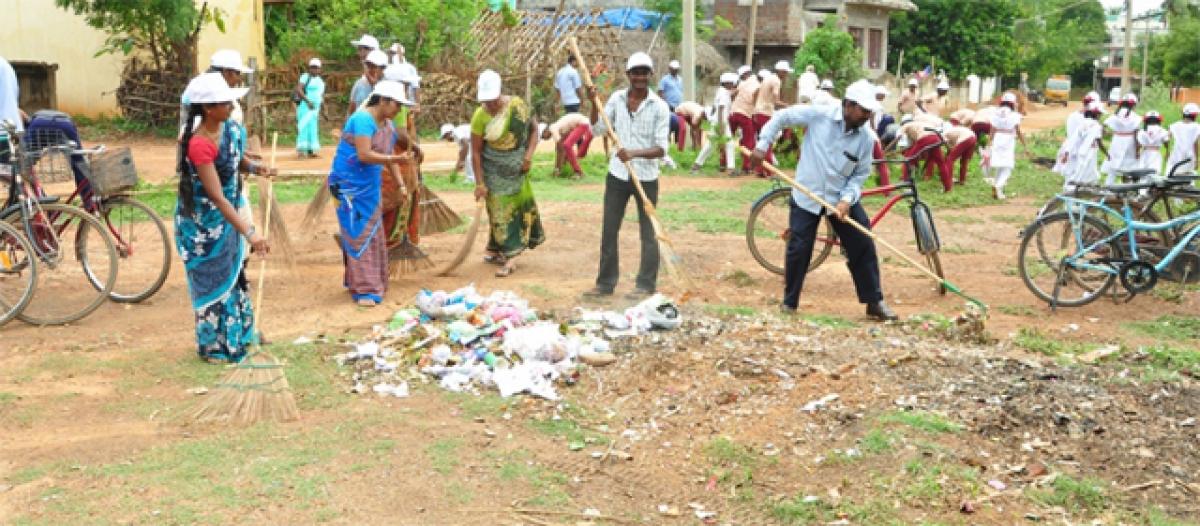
(80, 402)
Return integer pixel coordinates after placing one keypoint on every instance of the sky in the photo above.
(1139, 6)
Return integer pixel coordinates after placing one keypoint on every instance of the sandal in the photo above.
(495, 259)
(506, 270)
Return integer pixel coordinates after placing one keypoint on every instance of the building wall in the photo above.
(869, 18)
(780, 22)
(36, 31)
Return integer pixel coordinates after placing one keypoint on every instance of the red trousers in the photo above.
(744, 124)
(575, 145)
(962, 152)
(760, 121)
(885, 176)
(933, 157)
(681, 135)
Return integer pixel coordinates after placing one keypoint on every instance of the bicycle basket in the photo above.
(49, 166)
(113, 172)
(923, 229)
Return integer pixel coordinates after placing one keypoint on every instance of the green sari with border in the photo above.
(516, 224)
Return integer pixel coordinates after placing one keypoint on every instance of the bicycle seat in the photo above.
(1136, 174)
(1127, 187)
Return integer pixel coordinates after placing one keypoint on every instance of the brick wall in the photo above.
(779, 22)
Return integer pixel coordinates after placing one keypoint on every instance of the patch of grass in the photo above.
(733, 462)
(960, 220)
(1011, 219)
(927, 481)
(539, 291)
(568, 429)
(1072, 494)
(28, 474)
(958, 250)
(472, 406)
(922, 421)
(877, 441)
(1157, 517)
(829, 320)
(1034, 340)
(8, 398)
(107, 128)
(1173, 359)
(796, 511)
(443, 455)
(548, 483)
(1168, 327)
(162, 197)
(729, 311)
(1017, 310)
(739, 278)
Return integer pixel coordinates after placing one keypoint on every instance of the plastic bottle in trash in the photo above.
(485, 356)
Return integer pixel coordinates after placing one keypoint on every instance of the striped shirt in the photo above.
(647, 127)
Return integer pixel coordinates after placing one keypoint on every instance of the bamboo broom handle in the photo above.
(262, 267)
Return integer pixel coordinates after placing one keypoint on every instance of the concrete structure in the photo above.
(1151, 23)
(782, 25)
(53, 52)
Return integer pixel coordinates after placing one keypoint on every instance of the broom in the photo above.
(436, 216)
(282, 240)
(865, 231)
(406, 257)
(256, 389)
(664, 243)
(472, 232)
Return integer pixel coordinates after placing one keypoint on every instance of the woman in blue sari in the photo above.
(355, 181)
(309, 91)
(208, 228)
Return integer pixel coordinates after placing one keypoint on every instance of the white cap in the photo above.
(489, 86)
(1191, 108)
(447, 128)
(314, 63)
(943, 85)
(1091, 95)
(376, 57)
(392, 90)
(1153, 115)
(1131, 98)
(783, 65)
(913, 82)
(1096, 106)
(762, 73)
(862, 92)
(211, 87)
(1008, 97)
(229, 59)
(397, 47)
(809, 68)
(399, 73)
(639, 59)
(366, 41)
(729, 78)
(826, 84)
(880, 89)
(674, 64)
(742, 70)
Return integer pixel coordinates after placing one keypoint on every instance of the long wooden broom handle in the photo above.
(857, 226)
(262, 267)
(587, 81)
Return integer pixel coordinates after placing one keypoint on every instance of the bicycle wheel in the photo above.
(143, 246)
(18, 272)
(1052, 239)
(768, 232)
(64, 292)
(928, 242)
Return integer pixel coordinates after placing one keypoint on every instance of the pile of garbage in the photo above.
(468, 342)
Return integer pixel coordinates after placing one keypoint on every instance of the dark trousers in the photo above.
(616, 197)
(859, 249)
(571, 108)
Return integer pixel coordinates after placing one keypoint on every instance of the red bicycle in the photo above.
(768, 231)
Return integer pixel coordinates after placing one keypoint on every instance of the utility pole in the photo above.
(689, 50)
(750, 32)
(1145, 55)
(1128, 52)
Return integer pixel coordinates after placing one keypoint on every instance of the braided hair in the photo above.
(185, 172)
(1154, 119)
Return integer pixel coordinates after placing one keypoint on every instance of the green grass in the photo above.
(539, 291)
(549, 484)
(733, 463)
(443, 455)
(729, 311)
(1157, 517)
(107, 128)
(829, 320)
(568, 429)
(877, 441)
(1017, 310)
(960, 220)
(796, 511)
(1034, 340)
(922, 421)
(1072, 494)
(1010, 219)
(1168, 327)
(162, 197)
(958, 250)
(1166, 362)
(477, 406)
(8, 398)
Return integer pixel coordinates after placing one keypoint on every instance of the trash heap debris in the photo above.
(467, 342)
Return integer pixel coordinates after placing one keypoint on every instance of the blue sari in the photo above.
(356, 185)
(308, 119)
(214, 257)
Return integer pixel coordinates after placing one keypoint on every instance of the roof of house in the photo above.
(898, 5)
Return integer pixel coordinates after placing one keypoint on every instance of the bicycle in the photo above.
(18, 271)
(1079, 251)
(144, 246)
(56, 232)
(768, 231)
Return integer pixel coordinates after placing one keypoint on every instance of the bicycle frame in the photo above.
(1077, 209)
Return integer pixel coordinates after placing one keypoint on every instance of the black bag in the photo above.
(297, 100)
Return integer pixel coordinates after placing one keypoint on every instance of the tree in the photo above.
(1059, 37)
(1180, 51)
(673, 10)
(831, 52)
(962, 36)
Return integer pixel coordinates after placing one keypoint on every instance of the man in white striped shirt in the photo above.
(641, 120)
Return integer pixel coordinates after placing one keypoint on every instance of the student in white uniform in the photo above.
(1006, 130)
(1083, 146)
(1184, 144)
(1124, 124)
(719, 116)
(1152, 138)
(1073, 121)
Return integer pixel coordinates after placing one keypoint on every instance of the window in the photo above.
(857, 34)
(875, 49)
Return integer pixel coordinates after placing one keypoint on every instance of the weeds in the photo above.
(1072, 494)
(1168, 327)
(729, 311)
(922, 421)
(443, 455)
(1034, 340)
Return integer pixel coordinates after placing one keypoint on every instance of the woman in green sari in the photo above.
(502, 146)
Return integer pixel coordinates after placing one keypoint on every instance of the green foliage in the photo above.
(673, 30)
(1058, 37)
(921, 420)
(831, 52)
(161, 27)
(1034, 340)
(424, 27)
(962, 36)
(1180, 51)
(1073, 494)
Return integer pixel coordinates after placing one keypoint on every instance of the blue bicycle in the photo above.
(1072, 257)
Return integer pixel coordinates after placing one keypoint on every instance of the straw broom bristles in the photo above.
(436, 216)
(256, 389)
(465, 250)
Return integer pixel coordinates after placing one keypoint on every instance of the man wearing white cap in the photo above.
(461, 135)
(908, 98)
(935, 103)
(824, 95)
(373, 66)
(641, 122)
(670, 89)
(769, 99)
(807, 84)
(1123, 123)
(408, 77)
(835, 161)
(568, 86)
(1185, 145)
(364, 45)
(719, 115)
(1006, 130)
(741, 112)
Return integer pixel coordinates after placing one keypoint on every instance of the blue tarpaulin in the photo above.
(623, 18)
